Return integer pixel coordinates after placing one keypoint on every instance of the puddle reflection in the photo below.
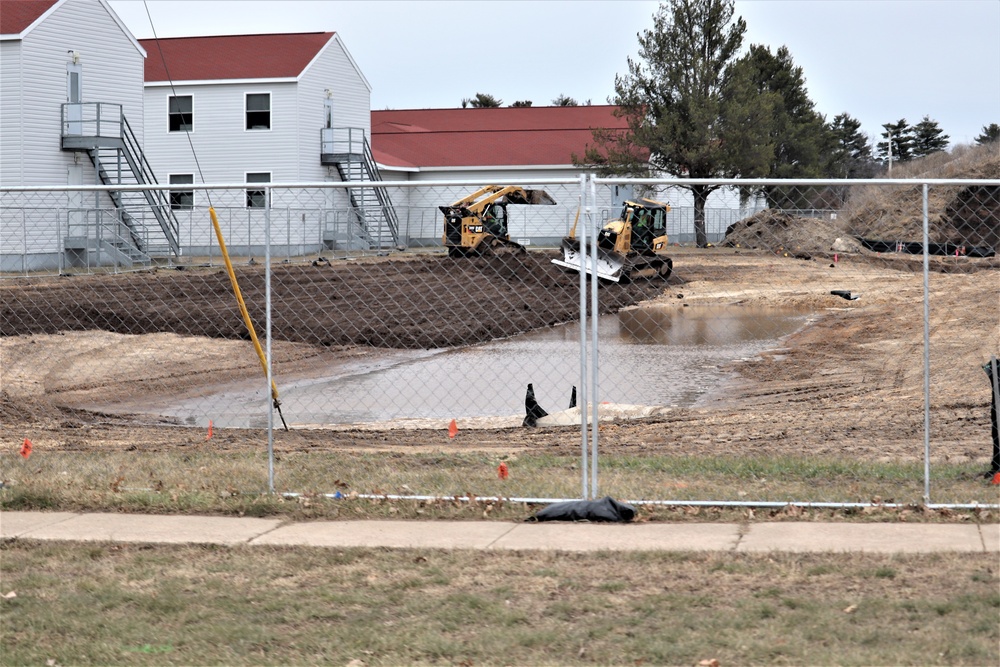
(651, 356)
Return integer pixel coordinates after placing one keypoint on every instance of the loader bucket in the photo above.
(531, 197)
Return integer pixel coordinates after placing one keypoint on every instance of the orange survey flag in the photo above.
(26, 448)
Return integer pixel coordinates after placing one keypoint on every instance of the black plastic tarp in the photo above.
(917, 248)
(994, 429)
(605, 509)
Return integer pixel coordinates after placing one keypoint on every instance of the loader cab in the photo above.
(495, 219)
(648, 222)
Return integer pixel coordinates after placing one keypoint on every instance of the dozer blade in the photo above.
(609, 265)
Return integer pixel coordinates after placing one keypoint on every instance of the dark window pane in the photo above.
(259, 102)
(181, 199)
(180, 113)
(257, 198)
(259, 111)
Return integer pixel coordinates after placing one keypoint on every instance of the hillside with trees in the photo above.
(700, 106)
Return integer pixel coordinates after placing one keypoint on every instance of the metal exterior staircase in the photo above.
(145, 224)
(347, 149)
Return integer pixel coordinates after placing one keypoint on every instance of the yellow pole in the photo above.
(572, 232)
(243, 308)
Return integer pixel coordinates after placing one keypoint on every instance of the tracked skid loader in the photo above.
(629, 248)
(477, 224)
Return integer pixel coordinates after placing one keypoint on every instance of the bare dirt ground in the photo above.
(851, 384)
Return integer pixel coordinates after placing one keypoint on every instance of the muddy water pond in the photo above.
(652, 356)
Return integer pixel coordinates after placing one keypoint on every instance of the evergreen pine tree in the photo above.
(928, 138)
(900, 136)
(690, 111)
(852, 155)
(990, 133)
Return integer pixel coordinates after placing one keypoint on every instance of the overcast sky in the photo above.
(878, 60)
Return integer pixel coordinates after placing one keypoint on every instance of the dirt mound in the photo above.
(961, 215)
(957, 215)
(780, 232)
(425, 302)
(974, 217)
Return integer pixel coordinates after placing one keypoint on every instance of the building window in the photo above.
(181, 200)
(180, 112)
(257, 198)
(258, 111)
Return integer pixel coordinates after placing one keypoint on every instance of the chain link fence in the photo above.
(822, 323)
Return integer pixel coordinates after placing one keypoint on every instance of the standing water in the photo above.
(653, 356)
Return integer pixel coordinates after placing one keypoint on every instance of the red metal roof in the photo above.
(17, 15)
(232, 56)
(504, 136)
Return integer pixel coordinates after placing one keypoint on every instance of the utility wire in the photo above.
(218, 233)
(173, 90)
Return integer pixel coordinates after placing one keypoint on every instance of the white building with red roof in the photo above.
(503, 145)
(267, 108)
(518, 146)
(65, 65)
(84, 102)
(251, 103)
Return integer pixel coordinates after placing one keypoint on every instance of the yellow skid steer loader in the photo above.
(477, 224)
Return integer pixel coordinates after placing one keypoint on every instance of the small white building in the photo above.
(503, 145)
(267, 108)
(70, 73)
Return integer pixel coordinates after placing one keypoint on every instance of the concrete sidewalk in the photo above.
(754, 537)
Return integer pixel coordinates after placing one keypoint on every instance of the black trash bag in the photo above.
(995, 462)
(605, 509)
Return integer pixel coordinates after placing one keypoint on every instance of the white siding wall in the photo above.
(333, 69)
(226, 150)
(33, 79)
(420, 219)
(112, 72)
(289, 151)
(11, 102)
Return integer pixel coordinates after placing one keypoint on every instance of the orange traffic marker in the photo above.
(26, 448)
(452, 429)
(502, 471)
(996, 477)
(209, 436)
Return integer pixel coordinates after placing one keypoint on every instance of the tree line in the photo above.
(487, 101)
(696, 106)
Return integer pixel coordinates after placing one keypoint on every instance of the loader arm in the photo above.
(513, 193)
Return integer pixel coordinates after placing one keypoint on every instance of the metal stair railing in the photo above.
(104, 232)
(102, 131)
(127, 219)
(158, 200)
(367, 210)
(383, 196)
(355, 164)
